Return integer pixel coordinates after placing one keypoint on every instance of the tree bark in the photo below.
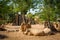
(16, 19)
(23, 16)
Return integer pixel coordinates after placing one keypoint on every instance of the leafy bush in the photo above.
(2, 22)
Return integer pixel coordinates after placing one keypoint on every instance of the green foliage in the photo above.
(4, 8)
(51, 10)
(48, 14)
(2, 22)
(30, 15)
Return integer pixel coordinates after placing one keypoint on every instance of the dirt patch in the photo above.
(20, 36)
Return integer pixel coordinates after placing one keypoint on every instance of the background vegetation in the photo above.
(48, 9)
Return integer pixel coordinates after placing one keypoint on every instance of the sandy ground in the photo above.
(19, 36)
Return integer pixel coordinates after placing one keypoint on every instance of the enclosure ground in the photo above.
(4, 35)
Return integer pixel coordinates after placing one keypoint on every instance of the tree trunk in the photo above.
(16, 19)
(23, 16)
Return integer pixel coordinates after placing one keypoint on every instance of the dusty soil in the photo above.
(20, 36)
(4, 35)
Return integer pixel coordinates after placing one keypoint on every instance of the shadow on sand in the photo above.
(3, 36)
